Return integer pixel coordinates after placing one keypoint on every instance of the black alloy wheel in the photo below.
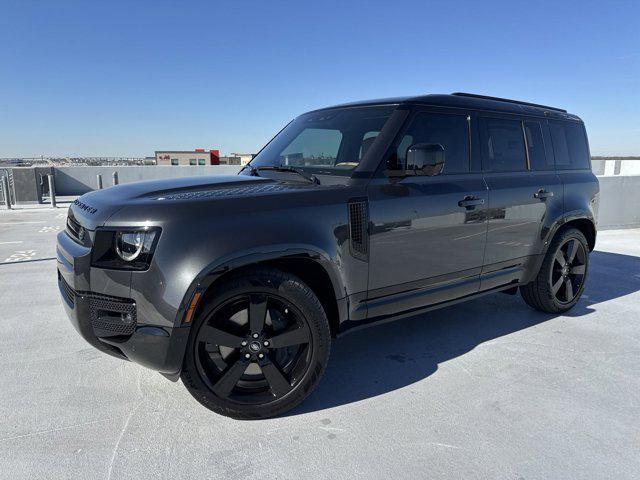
(562, 276)
(259, 346)
(252, 348)
(568, 271)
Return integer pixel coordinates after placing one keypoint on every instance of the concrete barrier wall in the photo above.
(621, 167)
(616, 166)
(79, 180)
(619, 202)
(598, 166)
(619, 194)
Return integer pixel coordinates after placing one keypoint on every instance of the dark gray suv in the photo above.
(350, 216)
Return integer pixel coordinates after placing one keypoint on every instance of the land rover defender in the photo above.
(350, 216)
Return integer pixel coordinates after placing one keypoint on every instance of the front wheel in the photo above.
(561, 279)
(259, 347)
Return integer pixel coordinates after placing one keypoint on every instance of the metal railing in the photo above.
(8, 174)
(70, 161)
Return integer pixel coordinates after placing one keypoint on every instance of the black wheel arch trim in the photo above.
(570, 217)
(555, 227)
(223, 266)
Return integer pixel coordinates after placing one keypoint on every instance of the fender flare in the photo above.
(566, 218)
(221, 266)
(557, 225)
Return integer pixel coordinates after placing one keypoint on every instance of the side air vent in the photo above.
(358, 228)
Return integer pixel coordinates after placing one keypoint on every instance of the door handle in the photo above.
(542, 194)
(469, 202)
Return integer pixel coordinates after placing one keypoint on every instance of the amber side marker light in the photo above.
(192, 307)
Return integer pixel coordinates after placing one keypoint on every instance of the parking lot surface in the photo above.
(485, 389)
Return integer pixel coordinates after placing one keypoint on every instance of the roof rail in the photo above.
(498, 99)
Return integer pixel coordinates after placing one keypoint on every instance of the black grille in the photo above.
(107, 315)
(358, 223)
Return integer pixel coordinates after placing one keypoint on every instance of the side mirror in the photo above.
(425, 159)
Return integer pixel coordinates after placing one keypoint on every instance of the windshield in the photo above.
(328, 141)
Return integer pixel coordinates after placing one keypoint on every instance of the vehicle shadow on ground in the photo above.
(384, 358)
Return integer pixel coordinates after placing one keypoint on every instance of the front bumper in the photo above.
(110, 323)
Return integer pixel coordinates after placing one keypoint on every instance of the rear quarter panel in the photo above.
(581, 194)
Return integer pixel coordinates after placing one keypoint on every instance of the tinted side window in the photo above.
(569, 146)
(502, 145)
(535, 147)
(450, 131)
(578, 148)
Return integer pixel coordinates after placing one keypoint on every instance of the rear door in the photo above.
(524, 193)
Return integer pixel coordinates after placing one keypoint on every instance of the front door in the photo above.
(427, 234)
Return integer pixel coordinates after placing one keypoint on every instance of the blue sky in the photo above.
(127, 78)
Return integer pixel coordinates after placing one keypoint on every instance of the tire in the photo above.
(235, 370)
(562, 276)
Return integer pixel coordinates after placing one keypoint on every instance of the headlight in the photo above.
(129, 245)
(124, 249)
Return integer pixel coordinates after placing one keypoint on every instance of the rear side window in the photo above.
(450, 131)
(502, 145)
(569, 145)
(535, 147)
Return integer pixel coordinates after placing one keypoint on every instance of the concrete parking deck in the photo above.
(486, 389)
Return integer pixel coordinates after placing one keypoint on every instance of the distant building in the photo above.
(230, 160)
(244, 157)
(236, 159)
(294, 159)
(181, 157)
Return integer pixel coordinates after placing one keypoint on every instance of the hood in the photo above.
(93, 209)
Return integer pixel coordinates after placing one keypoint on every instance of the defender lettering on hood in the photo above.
(85, 207)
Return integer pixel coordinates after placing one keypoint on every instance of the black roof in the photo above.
(470, 101)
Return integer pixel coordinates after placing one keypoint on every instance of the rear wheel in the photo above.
(561, 279)
(259, 347)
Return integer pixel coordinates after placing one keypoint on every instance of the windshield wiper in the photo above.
(284, 168)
